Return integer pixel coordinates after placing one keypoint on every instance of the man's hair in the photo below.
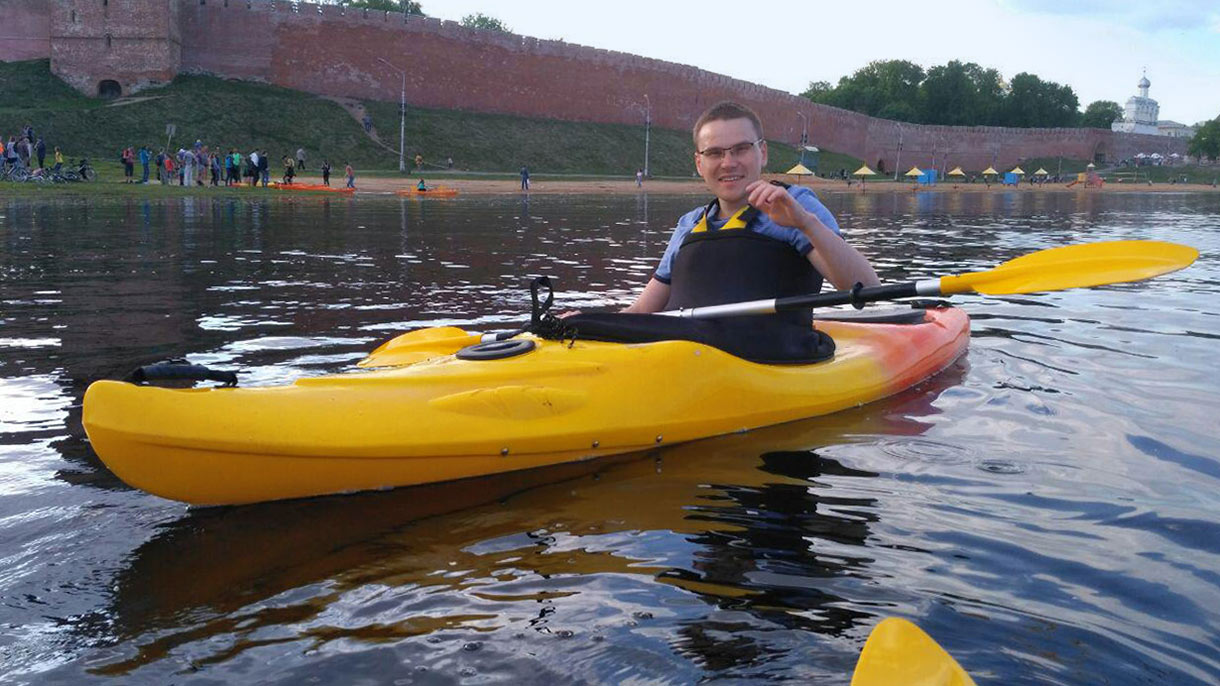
(724, 111)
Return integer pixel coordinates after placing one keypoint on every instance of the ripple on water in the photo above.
(1050, 511)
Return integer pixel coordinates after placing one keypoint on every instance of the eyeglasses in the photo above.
(717, 154)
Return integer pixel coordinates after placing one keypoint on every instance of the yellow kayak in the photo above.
(423, 414)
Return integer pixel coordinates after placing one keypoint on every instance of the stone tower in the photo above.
(115, 47)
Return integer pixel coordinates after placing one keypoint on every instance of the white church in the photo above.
(1140, 116)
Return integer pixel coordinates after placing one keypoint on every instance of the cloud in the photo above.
(1164, 15)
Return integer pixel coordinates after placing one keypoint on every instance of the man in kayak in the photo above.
(787, 242)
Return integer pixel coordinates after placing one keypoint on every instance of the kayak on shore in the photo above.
(438, 405)
(434, 191)
(313, 187)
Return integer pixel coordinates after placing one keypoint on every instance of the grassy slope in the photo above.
(245, 115)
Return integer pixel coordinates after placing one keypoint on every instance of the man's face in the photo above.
(728, 157)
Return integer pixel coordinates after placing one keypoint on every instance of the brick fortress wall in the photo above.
(25, 30)
(325, 50)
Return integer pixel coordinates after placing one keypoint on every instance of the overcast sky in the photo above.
(1098, 47)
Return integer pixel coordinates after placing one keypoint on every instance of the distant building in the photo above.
(1140, 116)
(1175, 129)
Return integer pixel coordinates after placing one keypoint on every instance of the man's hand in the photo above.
(777, 203)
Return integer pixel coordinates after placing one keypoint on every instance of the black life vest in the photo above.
(717, 266)
(734, 264)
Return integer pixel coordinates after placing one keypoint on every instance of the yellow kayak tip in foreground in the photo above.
(898, 653)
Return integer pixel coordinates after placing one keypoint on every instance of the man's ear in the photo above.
(762, 147)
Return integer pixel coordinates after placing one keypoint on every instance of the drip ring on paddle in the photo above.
(496, 350)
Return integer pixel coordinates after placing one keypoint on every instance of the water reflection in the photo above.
(749, 546)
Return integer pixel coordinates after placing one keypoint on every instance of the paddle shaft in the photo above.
(857, 296)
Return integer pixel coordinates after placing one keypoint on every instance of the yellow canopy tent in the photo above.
(957, 171)
(914, 172)
(862, 172)
(990, 170)
(799, 170)
(1017, 170)
(1041, 172)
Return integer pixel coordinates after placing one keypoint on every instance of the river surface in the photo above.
(1048, 508)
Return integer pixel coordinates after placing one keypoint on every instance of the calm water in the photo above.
(1048, 509)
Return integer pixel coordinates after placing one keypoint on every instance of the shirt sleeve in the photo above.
(795, 237)
(687, 222)
(810, 201)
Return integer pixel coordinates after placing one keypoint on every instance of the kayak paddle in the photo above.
(898, 653)
(1053, 269)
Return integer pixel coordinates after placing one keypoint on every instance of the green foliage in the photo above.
(1100, 114)
(407, 6)
(1206, 142)
(956, 93)
(870, 90)
(962, 94)
(482, 21)
(29, 84)
(238, 114)
(1032, 102)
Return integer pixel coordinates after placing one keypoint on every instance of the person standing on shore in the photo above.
(40, 149)
(351, 175)
(216, 167)
(145, 156)
(325, 172)
(525, 178)
(234, 162)
(264, 166)
(639, 178)
(129, 164)
(301, 158)
(184, 168)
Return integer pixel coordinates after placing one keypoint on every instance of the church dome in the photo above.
(1144, 82)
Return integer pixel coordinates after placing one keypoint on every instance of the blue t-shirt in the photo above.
(762, 224)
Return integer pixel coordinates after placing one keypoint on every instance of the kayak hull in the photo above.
(313, 187)
(421, 415)
(438, 192)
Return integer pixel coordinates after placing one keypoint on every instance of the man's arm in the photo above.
(839, 262)
(651, 299)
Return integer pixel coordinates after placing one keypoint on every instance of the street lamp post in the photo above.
(647, 132)
(402, 117)
(646, 108)
(804, 134)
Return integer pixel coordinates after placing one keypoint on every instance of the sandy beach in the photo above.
(695, 186)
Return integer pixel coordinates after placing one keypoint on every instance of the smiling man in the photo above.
(756, 239)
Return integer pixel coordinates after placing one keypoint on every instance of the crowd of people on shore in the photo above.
(25, 149)
(200, 165)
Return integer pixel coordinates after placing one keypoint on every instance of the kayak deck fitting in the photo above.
(423, 415)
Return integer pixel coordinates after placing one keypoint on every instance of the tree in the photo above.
(949, 96)
(406, 6)
(817, 90)
(1035, 103)
(482, 21)
(1206, 142)
(956, 93)
(1100, 114)
(990, 92)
